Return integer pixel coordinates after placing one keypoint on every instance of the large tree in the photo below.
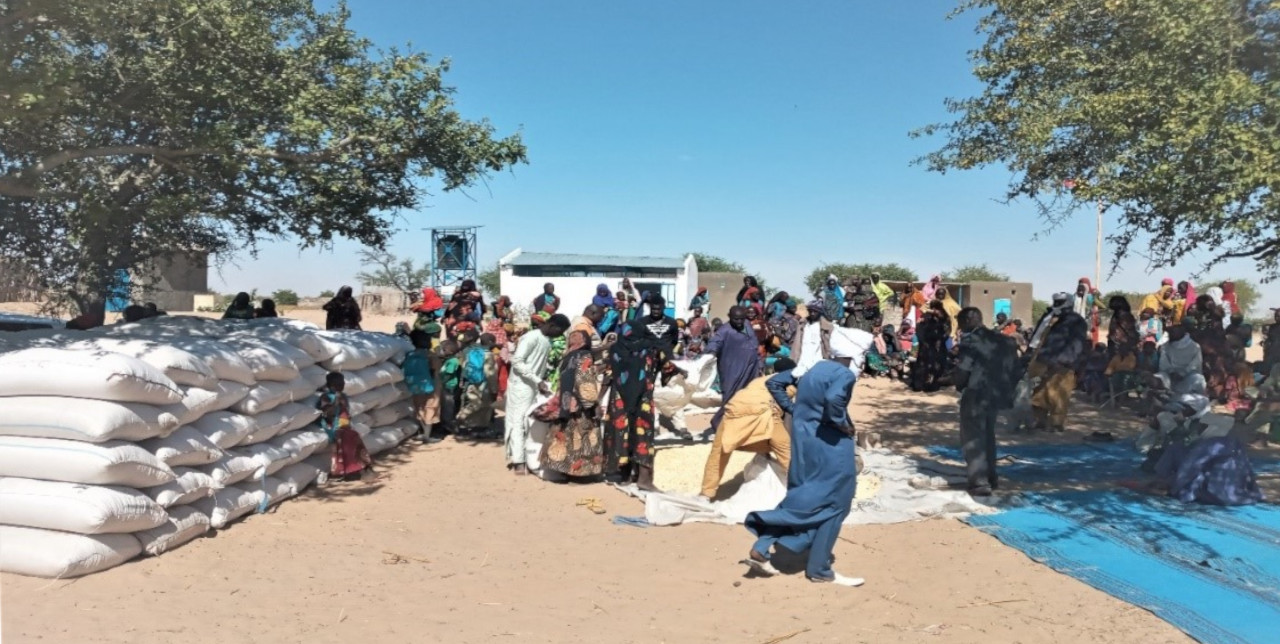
(974, 273)
(130, 130)
(715, 264)
(385, 270)
(888, 272)
(1163, 111)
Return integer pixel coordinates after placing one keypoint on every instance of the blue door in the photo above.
(119, 297)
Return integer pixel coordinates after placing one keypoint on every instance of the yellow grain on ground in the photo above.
(679, 469)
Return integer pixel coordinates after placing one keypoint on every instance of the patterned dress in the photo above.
(573, 445)
(628, 431)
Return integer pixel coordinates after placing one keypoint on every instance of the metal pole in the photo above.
(1097, 275)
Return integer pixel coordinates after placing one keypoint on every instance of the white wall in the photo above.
(687, 287)
(575, 292)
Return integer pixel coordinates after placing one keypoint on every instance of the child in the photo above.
(450, 373)
(1149, 359)
(349, 454)
(420, 378)
(1093, 377)
(476, 383)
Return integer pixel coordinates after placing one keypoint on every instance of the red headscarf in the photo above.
(1229, 297)
(431, 301)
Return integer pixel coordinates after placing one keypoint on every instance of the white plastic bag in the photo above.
(61, 555)
(97, 375)
(82, 419)
(106, 463)
(190, 486)
(185, 447)
(184, 524)
(73, 507)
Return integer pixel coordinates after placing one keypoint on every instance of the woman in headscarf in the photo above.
(428, 315)
(343, 312)
(1162, 302)
(636, 362)
(777, 306)
(503, 310)
(267, 310)
(548, 301)
(240, 308)
(753, 299)
(603, 298)
(1207, 330)
(1230, 301)
(1184, 300)
(1059, 342)
(1086, 306)
(467, 294)
(748, 282)
(823, 478)
(952, 308)
(1220, 301)
(1122, 332)
(833, 299)
(700, 300)
(558, 346)
(913, 303)
(931, 287)
(931, 333)
(573, 446)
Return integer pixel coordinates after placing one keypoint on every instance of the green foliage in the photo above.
(713, 264)
(327, 294)
(285, 297)
(388, 271)
(490, 281)
(888, 272)
(974, 273)
(1038, 309)
(1164, 111)
(125, 134)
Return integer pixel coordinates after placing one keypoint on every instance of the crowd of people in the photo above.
(785, 374)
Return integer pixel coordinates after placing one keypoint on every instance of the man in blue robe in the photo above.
(738, 360)
(823, 478)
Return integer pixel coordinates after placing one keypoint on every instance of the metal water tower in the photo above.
(453, 256)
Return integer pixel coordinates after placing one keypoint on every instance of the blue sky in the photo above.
(770, 133)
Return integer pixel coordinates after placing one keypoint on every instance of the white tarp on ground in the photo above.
(904, 494)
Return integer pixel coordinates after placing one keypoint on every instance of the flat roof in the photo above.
(570, 259)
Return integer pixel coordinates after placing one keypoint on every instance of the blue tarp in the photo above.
(1213, 572)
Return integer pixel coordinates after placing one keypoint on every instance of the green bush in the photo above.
(285, 297)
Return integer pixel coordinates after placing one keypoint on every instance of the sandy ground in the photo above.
(492, 556)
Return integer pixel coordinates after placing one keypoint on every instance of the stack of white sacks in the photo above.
(141, 437)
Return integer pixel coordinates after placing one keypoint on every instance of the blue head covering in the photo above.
(604, 298)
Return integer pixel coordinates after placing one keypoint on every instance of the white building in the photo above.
(577, 276)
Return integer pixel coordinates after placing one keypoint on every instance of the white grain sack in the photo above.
(107, 463)
(81, 419)
(97, 375)
(72, 507)
(184, 524)
(232, 468)
(228, 504)
(185, 447)
(225, 429)
(182, 367)
(61, 555)
(190, 486)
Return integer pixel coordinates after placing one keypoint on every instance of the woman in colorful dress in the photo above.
(573, 445)
(636, 362)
